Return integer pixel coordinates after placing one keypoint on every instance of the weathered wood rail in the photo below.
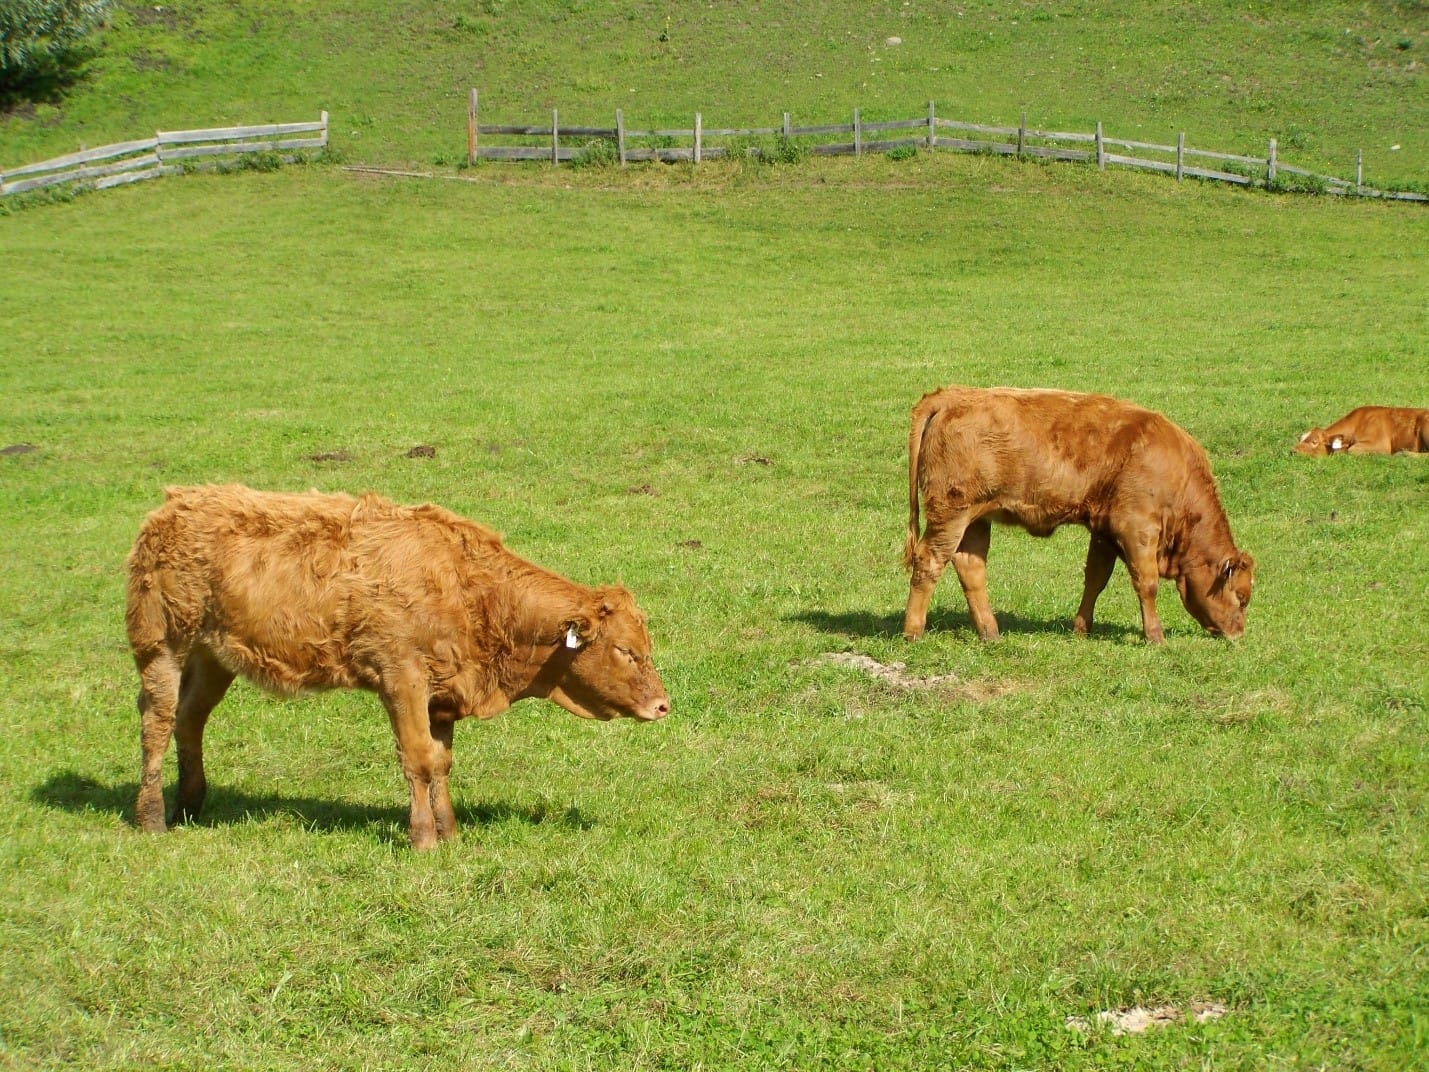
(168, 152)
(1022, 141)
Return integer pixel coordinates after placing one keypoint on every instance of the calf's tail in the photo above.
(923, 414)
(144, 617)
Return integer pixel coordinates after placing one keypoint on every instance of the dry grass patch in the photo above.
(896, 674)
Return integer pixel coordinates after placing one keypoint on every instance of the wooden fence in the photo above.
(923, 132)
(166, 153)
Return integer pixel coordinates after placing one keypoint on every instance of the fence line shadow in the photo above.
(71, 791)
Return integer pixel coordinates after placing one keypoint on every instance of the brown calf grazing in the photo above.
(1370, 430)
(1042, 459)
(313, 591)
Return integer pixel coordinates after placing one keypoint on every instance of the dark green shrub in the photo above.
(42, 44)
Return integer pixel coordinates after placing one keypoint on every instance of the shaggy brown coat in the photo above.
(312, 591)
(1043, 459)
(1370, 430)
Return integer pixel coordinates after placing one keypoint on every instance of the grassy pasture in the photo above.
(698, 383)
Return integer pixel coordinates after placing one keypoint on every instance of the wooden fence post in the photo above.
(1359, 171)
(787, 126)
(1270, 165)
(555, 139)
(697, 137)
(1180, 156)
(857, 135)
(932, 128)
(620, 135)
(471, 128)
(1022, 133)
(1101, 149)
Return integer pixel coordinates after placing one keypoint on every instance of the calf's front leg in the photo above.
(1145, 577)
(405, 698)
(443, 814)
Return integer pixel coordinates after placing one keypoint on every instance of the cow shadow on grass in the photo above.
(74, 792)
(863, 623)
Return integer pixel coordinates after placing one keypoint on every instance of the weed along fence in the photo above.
(168, 152)
(578, 144)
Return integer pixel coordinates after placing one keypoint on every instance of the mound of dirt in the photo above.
(896, 674)
(1138, 1019)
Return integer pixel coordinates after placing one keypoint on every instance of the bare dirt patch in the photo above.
(331, 456)
(19, 448)
(896, 674)
(1138, 1019)
(421, 450)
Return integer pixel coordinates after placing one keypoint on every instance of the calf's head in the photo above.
(1313, 443)
(603, 667)
(1217, 594)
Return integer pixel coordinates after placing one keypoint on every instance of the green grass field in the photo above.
(697, 382)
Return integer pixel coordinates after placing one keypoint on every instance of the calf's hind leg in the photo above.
(158, 705)
(941, 539)
(1101, 561)
(202, 686)
(970, 560)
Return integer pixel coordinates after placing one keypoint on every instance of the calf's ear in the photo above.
(1238, 561)
(580, 629)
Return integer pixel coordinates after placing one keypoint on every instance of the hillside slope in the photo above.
(1326, 79)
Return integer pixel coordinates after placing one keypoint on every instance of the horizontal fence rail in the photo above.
(924, 133)
(166, 153)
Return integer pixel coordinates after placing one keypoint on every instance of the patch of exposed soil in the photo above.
(896, 674)
(331, 456)
(754, 459)
(19, 448)
(1138, 1019)
(421, 450)
(643, 489)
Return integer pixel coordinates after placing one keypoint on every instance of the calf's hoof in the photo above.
(182, 815)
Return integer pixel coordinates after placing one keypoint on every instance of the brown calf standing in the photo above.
(1370, 430)
(1043, 459)
(424, 608)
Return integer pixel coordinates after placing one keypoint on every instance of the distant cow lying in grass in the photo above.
(422, 607)
(1370, 430)
(1043, 459)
